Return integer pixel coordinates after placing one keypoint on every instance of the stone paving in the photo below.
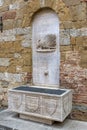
(9, 119)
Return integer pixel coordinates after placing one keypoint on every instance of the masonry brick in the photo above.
(9, 15)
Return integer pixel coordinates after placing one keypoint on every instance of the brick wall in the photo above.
(16, 41)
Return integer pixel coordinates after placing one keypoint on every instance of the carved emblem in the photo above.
(16, 100)
(50, 106)
(48, 42)
(32, 104)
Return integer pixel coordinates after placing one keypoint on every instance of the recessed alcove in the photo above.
(45, 46)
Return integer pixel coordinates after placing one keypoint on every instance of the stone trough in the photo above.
(40, 104)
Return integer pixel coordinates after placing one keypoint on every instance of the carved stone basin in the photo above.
(43, 103)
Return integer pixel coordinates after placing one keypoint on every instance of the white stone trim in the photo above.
(11, 77)
(4, 61)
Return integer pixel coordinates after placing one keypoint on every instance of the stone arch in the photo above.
(43, 9)
(58, 6)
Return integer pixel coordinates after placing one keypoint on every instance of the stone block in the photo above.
(26, 69)
(79, 41)
(19, 69)
(3, 69)
(48, 3)
(4, 61)
(64, 37)
(1, 91)
(8, 38)
(83, 31)
(4, 8)
(64, 15)
(17, 23)
(12, 69)
(27, 40)
(80, 23)
(85, 43)
(26, 21)
(76, 9)
(1, 2)
(73, 40)
(75, 32)
(14, 6)
(9, 32)
(83, 61)
(26, 43)
(65, 48)
(7, 49)
(9, 15)
(23, 31)
(8, 24)
(27, 50)
(27, 62)
(17, 46)
(68, 24)
(71, 2)
(63, 56)
(10, 77)
(5, 54)
(17, 55)
(4, 84)
(6, 2)
(16, 62)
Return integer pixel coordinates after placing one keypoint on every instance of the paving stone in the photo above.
(9, 119)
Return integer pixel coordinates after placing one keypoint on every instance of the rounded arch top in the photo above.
(43, 11)
(58, 6)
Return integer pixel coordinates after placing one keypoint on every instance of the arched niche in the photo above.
(45, 48)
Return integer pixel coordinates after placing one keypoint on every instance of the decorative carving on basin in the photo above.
(65, 105)
(32, 104)
(16, 100)
(50, 106)
(47, 43)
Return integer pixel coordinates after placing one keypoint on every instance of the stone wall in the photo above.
(16, 53)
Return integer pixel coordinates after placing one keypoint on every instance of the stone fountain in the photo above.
(43, 101)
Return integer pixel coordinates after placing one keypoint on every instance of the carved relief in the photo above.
(65, 105)
(16, 100)
(47, 42)
(50, 106)
(32, 104)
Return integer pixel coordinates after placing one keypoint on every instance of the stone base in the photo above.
(36, 119)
